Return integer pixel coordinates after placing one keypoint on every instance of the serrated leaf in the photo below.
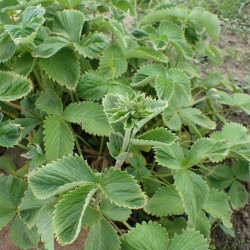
(10, 134)
(90, 115)
(92, 45)
(65, 20)
(174, 227)
(243, 101)
(11, 192)
(13, 87)
(120, 188)
(169, 156)
(102, 236)
(241, 170)
(90, 217)
(155, 137)
(146, 236)
(113, 211)
(188, 240)
(62, 67)
(203, 224)
(58, 139)
(217, 206)
(238, 195)
(7, 165)
(165, 202)
(69, 212)
(22, 236)
(7, 48)
(193, 191)
(71, 4)
(23, 64)
(60, 176)
(164, 88)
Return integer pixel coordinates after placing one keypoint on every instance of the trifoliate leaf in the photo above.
(7, 47)
(146, 236)
(120, 188)
(23, 64)
(90, 115)
(217, 206)
(58, 139)
(13, 87)
(193, 191)
(165, 202)
(60, 176)
(10, 134)
(238, 195)
(69, 212)
(62, 67)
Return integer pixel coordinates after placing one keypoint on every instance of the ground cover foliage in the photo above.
(117, 81)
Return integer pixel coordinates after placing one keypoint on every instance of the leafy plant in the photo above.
(130, 100)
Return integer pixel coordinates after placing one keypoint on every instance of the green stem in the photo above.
(163, 175)
(40, 83)
(152, 179)
(84, 141)
(22, 146)
(8, 113)
(71, 96)
(200, 166)
(153, 165)
(101, 147)
(76, 140)
(127, 225)
(177, 60)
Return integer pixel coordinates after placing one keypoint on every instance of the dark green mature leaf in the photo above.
(165, 202)
(102, 236)
(174, 227)
(22, 236)
(60, 176)
(238, 195)
(69, 212)
(203, 224)
(90, 217)
(7, 165)
(193, 191)
(241, 170)
(120, 188)
(7, 47)
(13, 86)
(90, 115)
(62, 67)
(23, 64)
(58, 139)
(11, 192)
(146, 236)
(10, 134)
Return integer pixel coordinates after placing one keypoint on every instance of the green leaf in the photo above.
(217, 206)
(45, 227)
(23, 64)
(203, 224)
(174, 227)
(69, 212)
(165, 202)
(90, 217)
(58, 139)
(22, 236)
(146, 236)
(63, 23)
(113, 63)
(92, 86)
(10, 134)
(238, 195)
(164, 88)
(11, 192)
(113, 211)
(241, 169)
(243, 101)
(220, 178)
(102, 236)
(193, 191)
(169, 156)
(189, 240)
(13, 87)
(60, 176)
(90, 115)
(62, 67)
(7, 165)
(92, 45)
(7, 47)
(120, 188)
(71, 4)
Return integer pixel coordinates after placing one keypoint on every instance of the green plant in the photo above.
(136, 87)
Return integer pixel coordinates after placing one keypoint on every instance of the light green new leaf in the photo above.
(238, 195)
(71, 4)
(64, 21)
(13, 87)
(7, 47)
(193, 191)
(62, 67)
(169, 156)
(22, 236)
(155, 137)
(165, 202)
(121, 189)
(23, 64)
(102, 236)
(146, 236)
(10, 134)
(164, 88)
(217, 206)
(113, 211)
(69, 212)
(189, 240)
(90, 115)
(113, 63)
(11, 192)
(60, 176)
(58, 139)
(92, 45)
